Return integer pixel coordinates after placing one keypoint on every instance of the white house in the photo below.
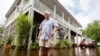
(35, 9)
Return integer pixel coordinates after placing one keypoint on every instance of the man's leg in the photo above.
(41, 50)
(50, 51)
(49, 46)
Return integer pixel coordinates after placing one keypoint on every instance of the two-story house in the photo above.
(35, 9)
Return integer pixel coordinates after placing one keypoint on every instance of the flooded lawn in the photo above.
(56, 52)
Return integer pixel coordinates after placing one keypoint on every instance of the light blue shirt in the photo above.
(47, 26)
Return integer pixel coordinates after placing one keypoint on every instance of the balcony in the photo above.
(40, 6)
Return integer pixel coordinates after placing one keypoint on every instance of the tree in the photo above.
(93, 30)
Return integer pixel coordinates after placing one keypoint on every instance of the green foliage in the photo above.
(35, 45)
(1, 30)
(62, 43)
(23, 29)
(93, 30)
(1, 43)
(67, 43)
(9, 40)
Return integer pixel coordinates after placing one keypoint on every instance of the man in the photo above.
(48, 27)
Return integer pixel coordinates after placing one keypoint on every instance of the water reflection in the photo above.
(86, 52)
(56, 52)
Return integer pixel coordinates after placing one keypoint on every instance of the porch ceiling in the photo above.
(49, 3)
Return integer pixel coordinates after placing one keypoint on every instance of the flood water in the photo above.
(56, 52)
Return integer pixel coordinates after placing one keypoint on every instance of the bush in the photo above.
(9, 40)
(62, 44)
(35, 45)
(1, 43)
(67, 43)
(59, 43)
(23, 29)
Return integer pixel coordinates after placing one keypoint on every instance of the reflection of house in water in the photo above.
(34, 9)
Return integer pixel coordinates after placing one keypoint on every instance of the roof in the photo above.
(60, 9)
(12, 8)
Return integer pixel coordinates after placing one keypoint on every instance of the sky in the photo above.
(4, 7)
(84, 11)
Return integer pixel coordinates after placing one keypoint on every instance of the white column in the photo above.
(63, 16)
(69, 21)
(21, 6)
(36, 3)
(9, 30)
(54, 15)
(31, 19)
(77, 39)
(69, 35)
(22, 3)
(73, 24)
(54, 11)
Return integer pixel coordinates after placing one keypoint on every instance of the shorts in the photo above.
(46, 43)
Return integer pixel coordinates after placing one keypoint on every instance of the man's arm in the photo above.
(39, 34)
(55, 29)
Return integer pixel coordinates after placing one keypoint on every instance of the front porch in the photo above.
(63, 32)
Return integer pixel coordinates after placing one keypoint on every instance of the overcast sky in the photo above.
(84, 11)
(4, 7)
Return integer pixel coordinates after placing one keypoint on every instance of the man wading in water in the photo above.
(48, 27)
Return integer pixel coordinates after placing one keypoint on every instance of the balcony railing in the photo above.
(40, 6)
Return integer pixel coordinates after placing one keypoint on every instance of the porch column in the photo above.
(55, 18)
(69, 35)
(22, 2)
(73, 24)
(56, 34)
(69, 22)
(63, 16)
(9, 30)
(31, 20)
(54, 11)
(21, 6)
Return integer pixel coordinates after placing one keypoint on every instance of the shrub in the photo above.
(67, 43)
(59, 43)
(62, 44)
(9, 40)
(35, 45)
(1, 43)
(23, 29)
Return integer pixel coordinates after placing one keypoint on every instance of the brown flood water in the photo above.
(56, 52)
